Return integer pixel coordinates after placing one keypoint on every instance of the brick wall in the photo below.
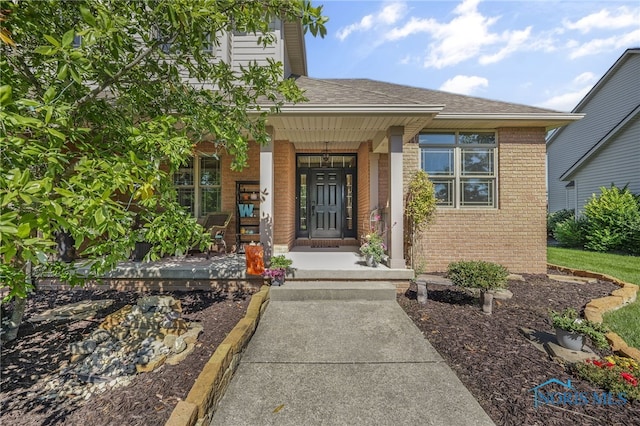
(363, 187)
(513, 235)
(284, 183)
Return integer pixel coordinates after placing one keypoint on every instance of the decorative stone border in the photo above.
(596, 308)
(209, 387)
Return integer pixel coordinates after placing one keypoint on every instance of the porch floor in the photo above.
(335, 263)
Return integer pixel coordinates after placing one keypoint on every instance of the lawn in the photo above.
(626, 268)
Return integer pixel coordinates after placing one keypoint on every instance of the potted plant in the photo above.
(276, 272)
(372, 248)
(571, 330)
(478, 274)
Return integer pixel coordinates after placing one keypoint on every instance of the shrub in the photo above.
(557, 217)
(477, 274)
(612, 218)
(571, 233)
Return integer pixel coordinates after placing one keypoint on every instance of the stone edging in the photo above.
(209, 387)
(596, 308)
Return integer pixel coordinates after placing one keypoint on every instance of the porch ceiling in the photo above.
(346, 129)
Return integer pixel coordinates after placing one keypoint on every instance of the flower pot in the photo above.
(570, 340)
(371, 261)
(277, 282)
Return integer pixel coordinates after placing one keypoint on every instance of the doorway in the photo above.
(326, 196)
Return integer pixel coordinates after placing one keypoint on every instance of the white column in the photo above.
(396, 198)
(266, 194)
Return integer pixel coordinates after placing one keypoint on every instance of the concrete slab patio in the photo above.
(343, 362)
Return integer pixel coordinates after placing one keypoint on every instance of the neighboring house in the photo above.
(353, 147)
(603, 148)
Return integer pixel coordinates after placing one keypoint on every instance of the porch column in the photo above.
(396, 198)
(266, 194)
(373, 181)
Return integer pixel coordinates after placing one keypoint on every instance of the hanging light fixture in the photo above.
(325, 153)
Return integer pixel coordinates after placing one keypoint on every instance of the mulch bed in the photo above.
(42, 349)
(487, 352)
(497, 363)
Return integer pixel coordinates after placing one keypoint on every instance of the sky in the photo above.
(544, 53)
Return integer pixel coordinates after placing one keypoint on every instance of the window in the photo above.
(208, 45)
(462, 167)
(198, 185)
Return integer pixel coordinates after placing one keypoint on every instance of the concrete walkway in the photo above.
(348, 355)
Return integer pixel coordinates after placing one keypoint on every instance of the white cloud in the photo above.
(566, 101)
(388, 15)
(464, 84)
(585, 78)
(600, 45)
(578, 89)
(515, 41)
(466, 36)
(622, 17)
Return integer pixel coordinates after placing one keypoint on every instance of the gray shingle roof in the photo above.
(372, 92)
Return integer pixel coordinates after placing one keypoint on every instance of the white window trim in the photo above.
(457, 176)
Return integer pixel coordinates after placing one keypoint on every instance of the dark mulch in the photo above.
(495, 361)
(42, 348)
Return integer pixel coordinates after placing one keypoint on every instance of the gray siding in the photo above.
(618, 95)
(618, 163)
(245, 50)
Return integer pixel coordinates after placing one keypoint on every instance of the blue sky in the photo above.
(543, 53)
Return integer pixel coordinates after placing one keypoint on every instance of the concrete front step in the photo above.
(334, 290)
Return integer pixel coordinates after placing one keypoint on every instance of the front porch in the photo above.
(228, 271)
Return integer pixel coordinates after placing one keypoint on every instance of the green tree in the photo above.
(100, 101)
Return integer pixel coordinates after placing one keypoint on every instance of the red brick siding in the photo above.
(363, 187)
(513, 235)
(284, 191)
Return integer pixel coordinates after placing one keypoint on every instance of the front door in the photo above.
(326, 187)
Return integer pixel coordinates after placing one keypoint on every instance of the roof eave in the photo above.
(356, 109)
(547, 120)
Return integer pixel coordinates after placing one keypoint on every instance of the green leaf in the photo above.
(62, 73)
(24, 230)
(45, 50)
(56, 134)
(87, 16)
(67, 38)
(5, 229)
(5, 94)
(99, 217)
(52, 40)
(49, 94)
(75, 75)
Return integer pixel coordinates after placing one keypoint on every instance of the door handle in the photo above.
(313, 208)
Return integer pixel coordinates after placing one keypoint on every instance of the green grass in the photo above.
(626, 268)
(624, 321)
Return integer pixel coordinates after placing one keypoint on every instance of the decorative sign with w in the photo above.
(246, 210)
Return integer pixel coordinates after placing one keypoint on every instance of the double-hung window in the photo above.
(198, 185)
(462, 167)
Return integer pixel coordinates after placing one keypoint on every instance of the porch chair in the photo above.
(216, 224)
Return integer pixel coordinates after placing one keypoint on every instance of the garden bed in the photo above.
(498, 364)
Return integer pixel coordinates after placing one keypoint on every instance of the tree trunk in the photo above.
(19, 306)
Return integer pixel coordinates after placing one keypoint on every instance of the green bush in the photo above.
(613, 219)
(477, 274)
(557, 217)
(571, 233)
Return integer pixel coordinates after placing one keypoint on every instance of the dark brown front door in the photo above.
(326, 197)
